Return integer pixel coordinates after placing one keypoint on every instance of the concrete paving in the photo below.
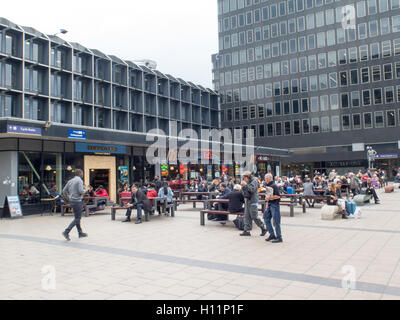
(176, 258)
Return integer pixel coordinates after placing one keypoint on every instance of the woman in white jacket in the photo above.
(165, 192)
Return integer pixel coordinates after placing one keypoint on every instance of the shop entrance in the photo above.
(101, 170)
(99, 177)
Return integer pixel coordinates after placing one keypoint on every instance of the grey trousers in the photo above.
(250, 215)
(77, 206)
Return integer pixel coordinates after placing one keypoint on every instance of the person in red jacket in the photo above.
(151, 192)
(101, 192)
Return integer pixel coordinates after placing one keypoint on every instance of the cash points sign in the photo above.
(99, 148)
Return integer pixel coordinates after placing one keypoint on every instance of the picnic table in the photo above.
(50, 205)
(188, 194)
(221, 201)
(291, 202)
(154, 200)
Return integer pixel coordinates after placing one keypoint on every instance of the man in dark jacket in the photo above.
(157, 183)
(250, 192)
(369, 189)
(141, 201)
(224, 192)
(202, 188)
(236, 199)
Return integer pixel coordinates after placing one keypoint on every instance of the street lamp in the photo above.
(62, 31)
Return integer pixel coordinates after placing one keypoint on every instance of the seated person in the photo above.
(90, 192)
(308, 188)
(318, 185)
(151, 192)
(335, 198)
(224, 192)
(214, 188)
(35, 193)
(202, 188)
(231, 184)
(165, 192)
(34, 189)
(140, 200)
(25, 193)
(101, 192)
(54, 193)
(368, 188)
(236, 199)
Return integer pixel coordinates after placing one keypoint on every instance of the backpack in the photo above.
(239, 222)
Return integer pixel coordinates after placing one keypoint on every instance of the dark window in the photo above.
(345, 100)
(278, 127)
(295, 104)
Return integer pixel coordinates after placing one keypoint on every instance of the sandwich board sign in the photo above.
(12, 208)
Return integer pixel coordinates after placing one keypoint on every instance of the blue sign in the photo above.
(24, 130)
(99, 148)
(77, 134)
(387, 156)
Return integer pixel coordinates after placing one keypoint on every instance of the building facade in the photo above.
(306, 78)
(64, 106)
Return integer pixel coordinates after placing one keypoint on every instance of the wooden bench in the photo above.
(194, 201)
(204, 212)
(289, 200)
(314, 199)
(65, 208)
(114, 211)
(171, 206)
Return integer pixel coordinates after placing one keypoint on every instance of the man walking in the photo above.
(74, 192)
(273, 211)
(250, 192)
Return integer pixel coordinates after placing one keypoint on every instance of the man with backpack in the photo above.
(250, 192)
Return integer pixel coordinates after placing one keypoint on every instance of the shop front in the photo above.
(310, 169)
(267, 164)
(389, 163)
(33, 167)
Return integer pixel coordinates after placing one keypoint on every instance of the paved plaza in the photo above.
(176, 258)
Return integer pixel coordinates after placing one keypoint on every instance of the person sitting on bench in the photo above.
(309, 191)
(224, 206)
(236, 199)
(165, 192)
(335, 198)
(369, 189)
(151, 192)
(140, 200)
(202, 188)
(214, 188)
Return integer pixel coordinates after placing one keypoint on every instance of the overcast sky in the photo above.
(180, 35)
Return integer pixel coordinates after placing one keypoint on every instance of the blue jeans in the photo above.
(273, 212)
(139, 212)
